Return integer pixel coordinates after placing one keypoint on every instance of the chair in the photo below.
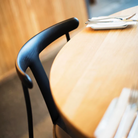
(28, 56)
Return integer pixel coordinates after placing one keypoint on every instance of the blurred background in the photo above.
(19, 21)
(108, 7)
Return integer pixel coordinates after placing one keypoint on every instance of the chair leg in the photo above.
(59, 132)
(29, 111)
(54, 134)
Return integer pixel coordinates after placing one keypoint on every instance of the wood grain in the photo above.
(91, 70)
(22, 19)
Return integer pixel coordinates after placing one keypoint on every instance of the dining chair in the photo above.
(28, 57)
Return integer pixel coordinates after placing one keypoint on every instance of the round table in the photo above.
(90, 71)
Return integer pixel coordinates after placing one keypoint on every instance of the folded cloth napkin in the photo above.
(111, 119)
(113, 25)
(126, 122)
(110, 22)
(134, 130)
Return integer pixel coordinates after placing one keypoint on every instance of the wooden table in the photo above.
(91, 70)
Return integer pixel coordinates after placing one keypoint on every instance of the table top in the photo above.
(91, 70)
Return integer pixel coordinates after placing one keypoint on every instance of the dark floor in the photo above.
(13, 121)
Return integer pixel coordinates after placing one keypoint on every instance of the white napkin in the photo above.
(111, 124)
(113, 25)
(134, 130)
(126, 122)
(107, 116)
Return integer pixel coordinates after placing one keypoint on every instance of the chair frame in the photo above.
(28, 56)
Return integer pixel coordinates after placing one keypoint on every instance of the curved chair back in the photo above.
(28, 56)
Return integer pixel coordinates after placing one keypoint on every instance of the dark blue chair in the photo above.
(28, 56)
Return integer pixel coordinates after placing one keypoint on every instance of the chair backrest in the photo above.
(28, 56)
